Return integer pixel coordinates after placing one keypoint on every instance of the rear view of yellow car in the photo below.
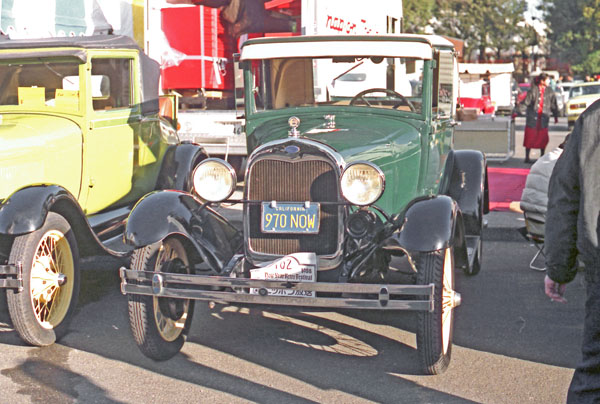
(581, 96)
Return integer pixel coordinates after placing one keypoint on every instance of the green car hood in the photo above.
(354, 135)
(392, 144)
(39, 149)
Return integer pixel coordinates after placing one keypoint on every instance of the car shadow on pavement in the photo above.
(45, 377)
(226, 344)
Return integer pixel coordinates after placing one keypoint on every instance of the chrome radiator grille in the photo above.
(312, 180)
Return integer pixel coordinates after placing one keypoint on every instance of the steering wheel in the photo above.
(387, 91)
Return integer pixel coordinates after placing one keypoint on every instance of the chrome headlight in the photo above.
(362, 183)
(214, 180)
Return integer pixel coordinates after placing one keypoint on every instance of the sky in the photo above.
(533, 12)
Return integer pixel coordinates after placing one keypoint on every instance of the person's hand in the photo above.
(555, 119)
(554, 290)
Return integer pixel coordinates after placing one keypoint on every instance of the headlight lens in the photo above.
(214, 180)
(362, 183)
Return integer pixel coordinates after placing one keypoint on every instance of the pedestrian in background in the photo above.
(540, 102)
(572, 229)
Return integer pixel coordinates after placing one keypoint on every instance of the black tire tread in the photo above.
(141, 314)
(429, 338)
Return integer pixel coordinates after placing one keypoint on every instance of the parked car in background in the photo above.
(581, 96)
(82, 140)
(566, 87)
(335, 187)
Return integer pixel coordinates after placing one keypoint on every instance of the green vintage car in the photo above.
(353, 197)
(81, 141)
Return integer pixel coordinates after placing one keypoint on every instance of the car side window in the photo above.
(111, 83)
(442, 98)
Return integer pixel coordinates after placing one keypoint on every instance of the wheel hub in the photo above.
(172, 308)
(45, 282)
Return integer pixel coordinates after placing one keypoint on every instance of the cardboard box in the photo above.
(467, 114)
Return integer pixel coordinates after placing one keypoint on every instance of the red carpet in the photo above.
(505, 186)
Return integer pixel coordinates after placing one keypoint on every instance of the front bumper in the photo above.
(11, 277)
(221, 289)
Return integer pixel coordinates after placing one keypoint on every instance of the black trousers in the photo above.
(585, 386)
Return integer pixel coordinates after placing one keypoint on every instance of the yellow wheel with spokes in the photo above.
(49, 290)
(42, 311)
(159, 325)
(435, 328)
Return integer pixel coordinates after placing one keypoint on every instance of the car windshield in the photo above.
(374, 82)
(584, 90)
(40, 84)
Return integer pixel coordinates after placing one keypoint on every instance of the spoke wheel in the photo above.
(41, 313)
(159, 325)
(435, 329)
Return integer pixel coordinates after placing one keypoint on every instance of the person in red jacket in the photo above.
(540, 102)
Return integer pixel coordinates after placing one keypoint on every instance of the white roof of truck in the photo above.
(400, 45)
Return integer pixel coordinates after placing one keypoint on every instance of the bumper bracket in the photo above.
(11, 276)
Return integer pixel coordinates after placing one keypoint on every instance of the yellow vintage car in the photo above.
(580, 97)
(82, 139)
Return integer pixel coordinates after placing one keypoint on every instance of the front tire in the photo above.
(41, 313)
(435, 329)
(160, 325)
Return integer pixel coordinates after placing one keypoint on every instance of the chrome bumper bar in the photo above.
(210, 288)
(11, 277)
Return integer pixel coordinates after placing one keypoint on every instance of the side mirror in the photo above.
(167, 108)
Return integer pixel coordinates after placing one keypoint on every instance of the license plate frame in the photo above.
(287, 217)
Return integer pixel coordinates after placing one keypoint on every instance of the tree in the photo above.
(482, 24)
(574, 32)
(417, 14)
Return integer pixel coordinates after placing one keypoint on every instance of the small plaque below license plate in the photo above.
(298, 267)
(290, 217)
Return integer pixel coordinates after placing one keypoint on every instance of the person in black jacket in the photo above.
(572, 230)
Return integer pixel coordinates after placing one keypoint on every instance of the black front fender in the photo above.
(26, 209)
(177, 167)
(430, 225)
(164, 213)
(465, 181)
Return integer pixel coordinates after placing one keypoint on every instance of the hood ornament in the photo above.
(329, 121)
(294, 122)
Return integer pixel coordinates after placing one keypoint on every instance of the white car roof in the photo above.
(400, 45)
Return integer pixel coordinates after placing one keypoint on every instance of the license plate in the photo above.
(298, 267)
(290, 217)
